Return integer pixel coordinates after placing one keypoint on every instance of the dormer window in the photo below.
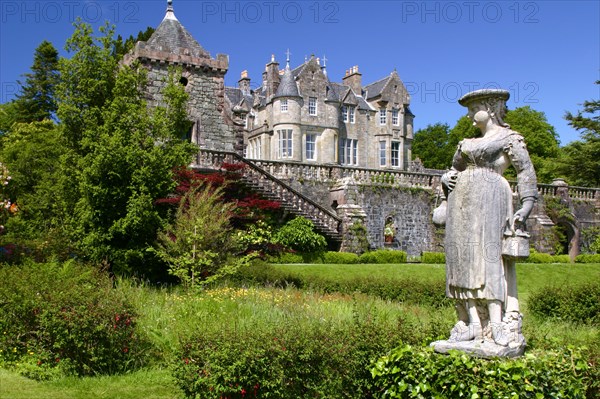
(351, 114)
(345, 113)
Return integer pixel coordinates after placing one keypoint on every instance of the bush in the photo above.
(59, 319)
(287, 257)
(292, 359)
(419, 372)
(382, 256)
(579, 303)
(588, 258)
(340, 258)
(537, 257)
(298, 234)
(561, 259)
(433, 257)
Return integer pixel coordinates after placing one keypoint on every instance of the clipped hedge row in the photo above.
(64, 319)
(409, 372)
(579, 303)
(433, 257)
(380, 256)
(588, 258)
(538, 257)
(410, 290)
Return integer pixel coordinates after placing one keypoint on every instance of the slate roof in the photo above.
(235, 96)
(172, 37)
(287, 85)
(374, 89)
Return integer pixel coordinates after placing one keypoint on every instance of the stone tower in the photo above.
(171, 45)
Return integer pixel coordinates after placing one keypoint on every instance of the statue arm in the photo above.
(526, 179)
(458, 165)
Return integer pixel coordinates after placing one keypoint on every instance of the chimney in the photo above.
(353, 78)
(272, 70)
(244, 83)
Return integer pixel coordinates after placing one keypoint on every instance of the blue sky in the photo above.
(546, 53)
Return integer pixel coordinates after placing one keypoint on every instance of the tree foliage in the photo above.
(36, 101)
(298, 234)
(199, 244)
(127, 167)
(579, 163)
(123, 46)
(541, 139)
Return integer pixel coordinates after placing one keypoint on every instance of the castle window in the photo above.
(345, 113)
(351, 114)
(285, 143)
(382, 116)
(284, 105)
(382, 153)
(395, 153)
(395, 119)
(312, 105)
(255, 148)
(311, 140)
(183, 81)
(349, 152)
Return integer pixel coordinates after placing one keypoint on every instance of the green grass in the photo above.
(146, 384)
(530, 276)
(167, 315)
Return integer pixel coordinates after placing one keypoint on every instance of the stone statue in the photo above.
(484, 235)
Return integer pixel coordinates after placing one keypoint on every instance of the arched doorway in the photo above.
(568, 237)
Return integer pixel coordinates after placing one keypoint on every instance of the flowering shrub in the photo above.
(58, 319)
(291, 359)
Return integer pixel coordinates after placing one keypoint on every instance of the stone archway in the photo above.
(570, 243)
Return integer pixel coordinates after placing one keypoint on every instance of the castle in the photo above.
(295, 115)
(336, 153)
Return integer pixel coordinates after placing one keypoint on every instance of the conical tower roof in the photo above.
(172, 37)
(287, 84)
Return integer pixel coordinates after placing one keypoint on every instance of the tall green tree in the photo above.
(436, 144)
(579, 163)
(32, 152)
(123, 46)
(36, 101)
(430, 145)
(128, 167)
(87, 82)
(541, 139)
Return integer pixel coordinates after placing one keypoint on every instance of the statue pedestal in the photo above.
(483, 349)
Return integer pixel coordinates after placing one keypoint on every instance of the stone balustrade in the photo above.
(288, 170)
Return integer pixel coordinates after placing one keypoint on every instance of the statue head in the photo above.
(493, 101)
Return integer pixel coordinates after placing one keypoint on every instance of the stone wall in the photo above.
(206, 105)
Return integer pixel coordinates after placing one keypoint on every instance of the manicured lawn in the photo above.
(143, 384)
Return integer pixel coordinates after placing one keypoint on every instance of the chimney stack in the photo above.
(353, 78)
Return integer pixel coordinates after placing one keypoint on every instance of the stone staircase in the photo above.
(263, 183)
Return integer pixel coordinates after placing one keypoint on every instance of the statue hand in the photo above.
(522, 214)
(449, 179)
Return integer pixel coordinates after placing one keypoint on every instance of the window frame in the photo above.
(382, 116)
(313, 142)
(312, 106)
(395, 117)
(383, 153)
(286, 144)
(283, 105)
